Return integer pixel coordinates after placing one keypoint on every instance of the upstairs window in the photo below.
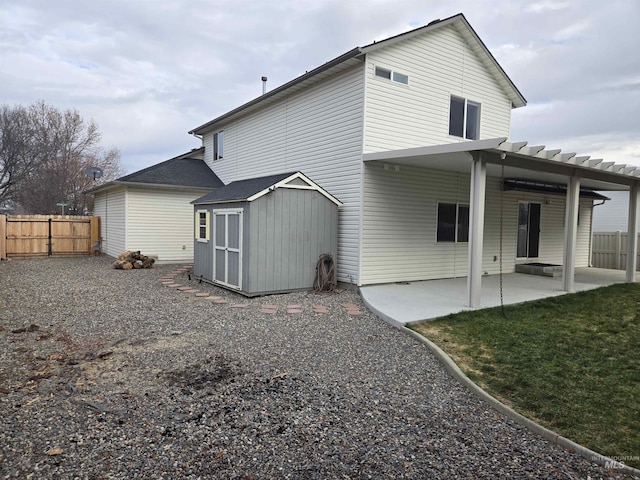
(218, 145)
(464, 118)
(392, 75)
(383, 73)
(453, 222)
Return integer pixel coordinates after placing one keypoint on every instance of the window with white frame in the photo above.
(218, 145)
(464, 118)
(392, 75)
(202, 226)
(453, 222)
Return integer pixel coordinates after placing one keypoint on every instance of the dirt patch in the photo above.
(212, 372)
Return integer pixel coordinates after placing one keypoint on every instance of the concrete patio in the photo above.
(401, 304)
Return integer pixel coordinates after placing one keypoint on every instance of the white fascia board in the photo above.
(298, 175)
(471, 146)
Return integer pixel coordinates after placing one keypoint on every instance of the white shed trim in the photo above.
(285, 183)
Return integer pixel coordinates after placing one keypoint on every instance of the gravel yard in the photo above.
(109, 374)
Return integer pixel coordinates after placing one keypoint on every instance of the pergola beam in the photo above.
(566, 157)
(595, 162)
(552, 153)
(533, 151)
(517, 146)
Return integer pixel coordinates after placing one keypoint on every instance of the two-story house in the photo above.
(411, 135)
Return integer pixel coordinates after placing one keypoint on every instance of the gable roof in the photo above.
(254, 188)
(177, 172)
(460, 23)
(355, 56)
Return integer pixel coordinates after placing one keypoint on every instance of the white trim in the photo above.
(283, 184)
(199, 239)
(226, 212)
(298, 187)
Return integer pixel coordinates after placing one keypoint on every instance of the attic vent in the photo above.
(433, 22)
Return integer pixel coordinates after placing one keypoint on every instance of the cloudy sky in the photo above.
(148, 71)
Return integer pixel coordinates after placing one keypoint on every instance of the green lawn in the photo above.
(571, 363)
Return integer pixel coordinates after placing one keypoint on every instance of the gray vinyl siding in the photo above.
(439, 64)
(110, 206)
(288, 231)
(400, 226)
(203, 251)
(317, 131)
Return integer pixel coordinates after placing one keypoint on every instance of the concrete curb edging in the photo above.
(539, 430)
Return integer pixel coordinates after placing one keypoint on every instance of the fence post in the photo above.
(50, 252)
(3, 237)
(95, 233)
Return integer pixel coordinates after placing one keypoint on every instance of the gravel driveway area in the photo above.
(109, 374)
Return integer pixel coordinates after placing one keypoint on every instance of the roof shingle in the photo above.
(180, 172)
(241, 190)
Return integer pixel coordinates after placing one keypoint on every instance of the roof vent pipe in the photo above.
(264, 85)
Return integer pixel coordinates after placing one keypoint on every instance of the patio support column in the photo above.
(570, 233)
(476, 228)
(632, 234)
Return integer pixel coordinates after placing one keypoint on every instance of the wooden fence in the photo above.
(609, 250)
(47, 235)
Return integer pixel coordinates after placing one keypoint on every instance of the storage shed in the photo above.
(264, 235)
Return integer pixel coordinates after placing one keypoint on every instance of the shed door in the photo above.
(227, 247)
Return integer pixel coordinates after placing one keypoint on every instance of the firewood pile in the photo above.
(132, 261)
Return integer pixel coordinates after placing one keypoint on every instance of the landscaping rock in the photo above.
(133, 380)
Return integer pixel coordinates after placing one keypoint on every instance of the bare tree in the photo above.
(20, 151)
(50, 151)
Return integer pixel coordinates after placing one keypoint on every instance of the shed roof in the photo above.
(253, 188)
(184, 172)
(355, 55)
